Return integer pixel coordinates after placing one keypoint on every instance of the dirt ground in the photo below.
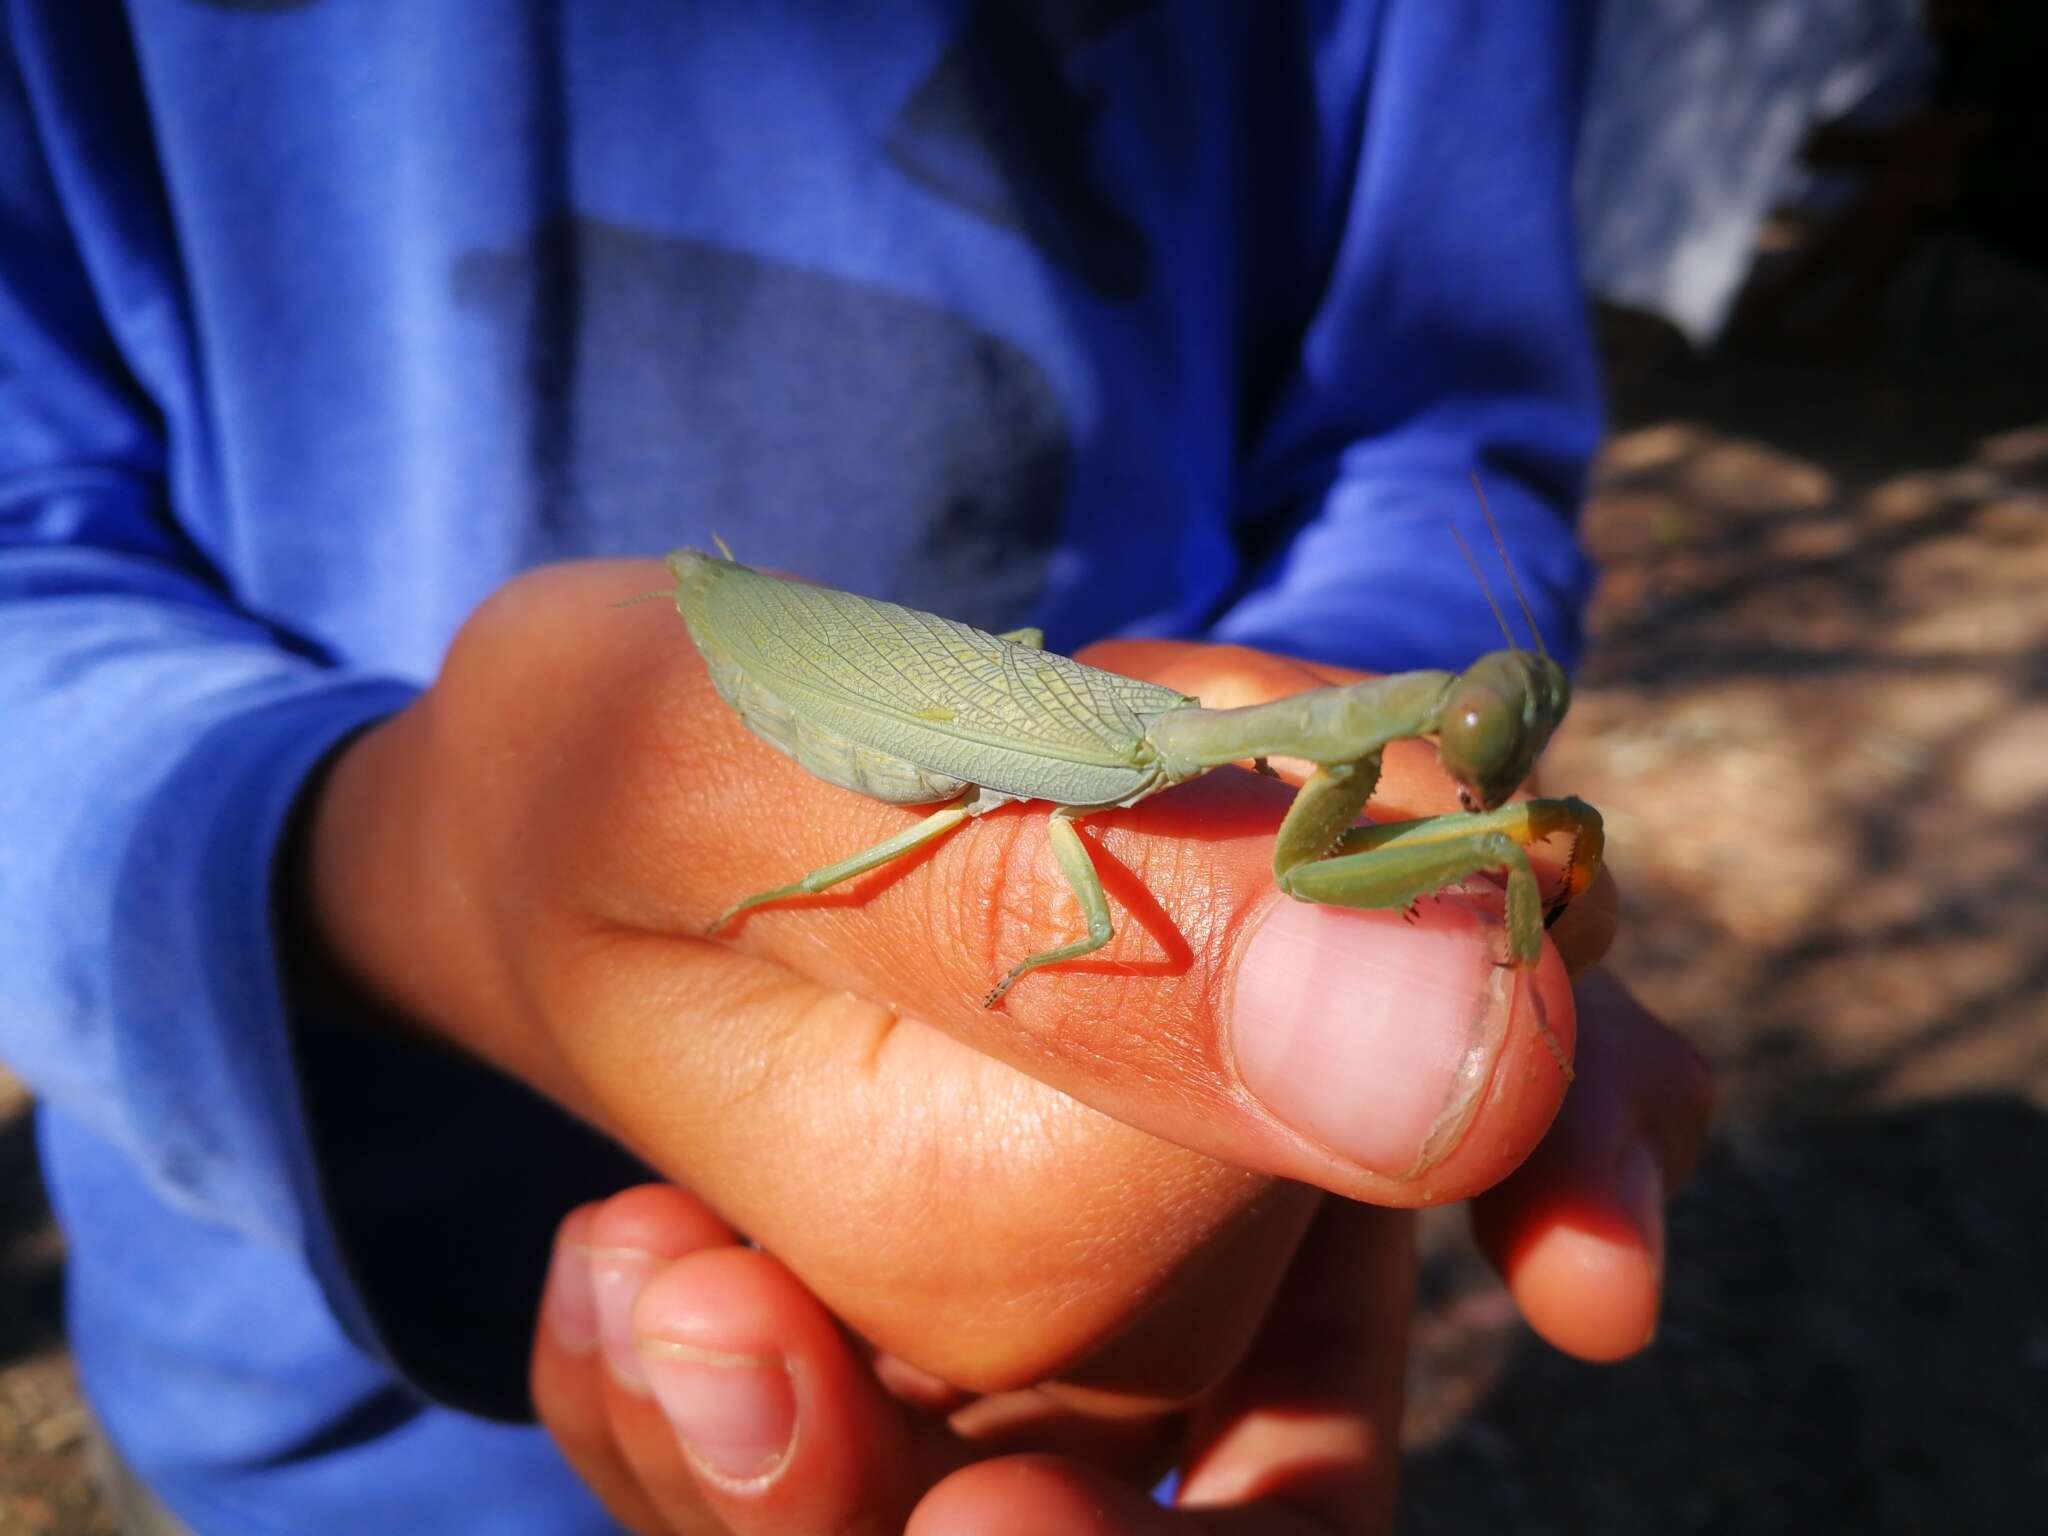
(1815, 714)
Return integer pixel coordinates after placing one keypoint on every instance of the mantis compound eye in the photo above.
(1485, 746)
(1496, 720)
(1478, 742)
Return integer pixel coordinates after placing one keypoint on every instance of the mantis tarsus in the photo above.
(911, 709)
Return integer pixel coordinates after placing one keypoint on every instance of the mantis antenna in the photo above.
(1487, 592)
(1514, 582)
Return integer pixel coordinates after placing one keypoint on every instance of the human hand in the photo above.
(523, 861)
(793, 1427)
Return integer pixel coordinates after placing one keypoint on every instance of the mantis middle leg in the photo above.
(1079, 869)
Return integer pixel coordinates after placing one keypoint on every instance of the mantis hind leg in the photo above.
(936, 825)
(1079, 869)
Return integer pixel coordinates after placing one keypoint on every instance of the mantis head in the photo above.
(1497, 718)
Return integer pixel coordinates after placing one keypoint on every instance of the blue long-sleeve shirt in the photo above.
(319, 321)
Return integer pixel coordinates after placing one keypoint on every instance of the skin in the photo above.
(522, 863)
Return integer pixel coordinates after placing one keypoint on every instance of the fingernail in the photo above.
(1373, 1037)
(735, 1414)
(568, 1305)
(616, 1275)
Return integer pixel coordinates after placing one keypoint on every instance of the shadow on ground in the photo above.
(1855, 1340)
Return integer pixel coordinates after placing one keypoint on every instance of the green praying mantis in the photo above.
(910, 708)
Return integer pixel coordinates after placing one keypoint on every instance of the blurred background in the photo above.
(1815, 714)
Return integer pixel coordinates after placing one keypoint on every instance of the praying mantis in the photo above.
(914, 709)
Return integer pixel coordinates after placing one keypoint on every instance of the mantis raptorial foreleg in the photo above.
(1323, 811)
(1391, 866)
(936, 825)
(1079, 869)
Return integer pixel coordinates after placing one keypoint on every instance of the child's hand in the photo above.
(524, 863)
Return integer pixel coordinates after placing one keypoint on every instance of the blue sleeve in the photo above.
(1451, 338)
(154, 736)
